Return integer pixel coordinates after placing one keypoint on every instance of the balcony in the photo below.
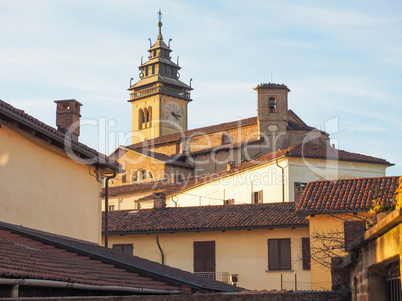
(162, 90)
(220, 276)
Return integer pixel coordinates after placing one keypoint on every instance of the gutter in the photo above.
(71, 285)
(283, 180)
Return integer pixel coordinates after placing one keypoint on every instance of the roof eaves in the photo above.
(130, 266)
(60, 137)
(212, 229)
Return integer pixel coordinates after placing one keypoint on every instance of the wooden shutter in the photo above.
(260, 197)
(284, 249)
(204, 256)
(279, 257)
(306, 255)
(352, 230)
(273, 254)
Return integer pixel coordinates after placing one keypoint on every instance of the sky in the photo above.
(342, 61)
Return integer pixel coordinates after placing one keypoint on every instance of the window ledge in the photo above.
(276, 271)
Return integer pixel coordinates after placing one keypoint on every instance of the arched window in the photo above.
(226, 138)
(272, 105)
(142, 175)
(141, 118)
(146, 115)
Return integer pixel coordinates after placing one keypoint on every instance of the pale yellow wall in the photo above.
(330, 226)
(237, 252)
(308, 170)
(42, 190)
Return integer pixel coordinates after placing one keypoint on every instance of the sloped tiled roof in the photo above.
(350, 195)
(162, 157)
(205, 218)
(204, 130)
(306, 150)
(146, 186)
(317, 151)
(104, 260)
(295, 124)
(10, 113)
(24, 258)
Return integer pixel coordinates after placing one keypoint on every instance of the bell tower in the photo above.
(159, 99)
(272, 104)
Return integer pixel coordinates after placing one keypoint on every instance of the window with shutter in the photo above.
(306, 253)
(279, 257)
(257, 197)
(353, 230)
(204, 256)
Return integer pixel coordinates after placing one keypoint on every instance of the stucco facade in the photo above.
(240, 184)
(239, 252)
(43, 187)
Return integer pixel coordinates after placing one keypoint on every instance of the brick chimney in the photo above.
(159, 201)
(67, 115)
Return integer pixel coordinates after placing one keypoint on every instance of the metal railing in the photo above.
(219, 276)
(163, 90)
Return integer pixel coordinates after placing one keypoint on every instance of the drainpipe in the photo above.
(160, 249)
(107, 207)
(283, 181)
(15, 291)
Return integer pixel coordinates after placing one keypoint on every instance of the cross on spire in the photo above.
(160, 25)
(160, 15)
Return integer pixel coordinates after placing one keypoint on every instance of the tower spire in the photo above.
(160, 25)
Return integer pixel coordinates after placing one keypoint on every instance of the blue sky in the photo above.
(342, 61)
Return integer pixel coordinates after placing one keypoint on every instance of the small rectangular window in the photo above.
(111, 207)
(279, 254)
(124, 248)
(123, 178)
(257, 197)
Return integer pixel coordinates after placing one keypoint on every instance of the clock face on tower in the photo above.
(173, 113)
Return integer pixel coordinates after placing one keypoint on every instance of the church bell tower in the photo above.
(159, 99)
(272, 104)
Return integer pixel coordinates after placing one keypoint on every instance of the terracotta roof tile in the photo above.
(306, 150)
(201, 131)
(59, 257)
(205, 218)
(22, 257)
(346, 195)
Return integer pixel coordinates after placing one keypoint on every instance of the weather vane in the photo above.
(160, 15)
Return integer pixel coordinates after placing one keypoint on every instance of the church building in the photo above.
(164, 148)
